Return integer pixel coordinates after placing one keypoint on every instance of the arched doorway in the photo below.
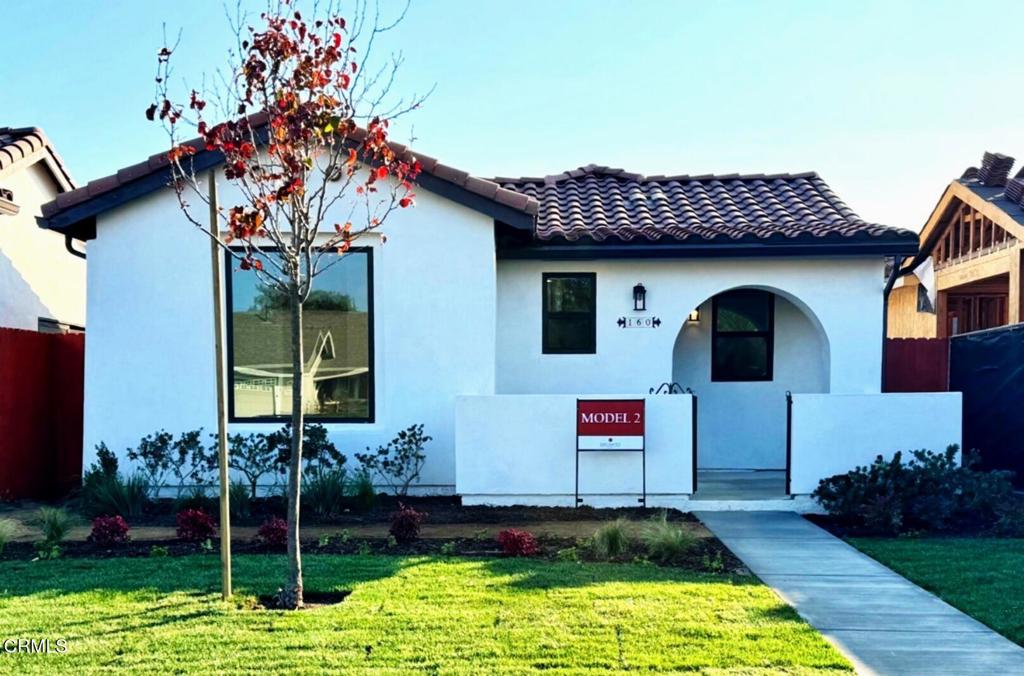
(740, 352)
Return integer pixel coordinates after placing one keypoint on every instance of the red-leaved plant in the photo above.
(273, 533)
(302, 138)
(195, 525)
(405, 523)
(109, 530)
(517, 542)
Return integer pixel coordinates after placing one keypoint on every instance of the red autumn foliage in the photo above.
(109, 530)
(195, 525)
(405, 523)
(517, 542)
(273, 533)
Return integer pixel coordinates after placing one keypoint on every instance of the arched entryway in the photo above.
(740, 352)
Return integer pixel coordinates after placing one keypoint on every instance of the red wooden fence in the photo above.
(916, 365)
(41, 378)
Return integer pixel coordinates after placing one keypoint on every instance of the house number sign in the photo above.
(639, 322)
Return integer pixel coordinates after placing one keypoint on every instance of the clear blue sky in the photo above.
(887, 99)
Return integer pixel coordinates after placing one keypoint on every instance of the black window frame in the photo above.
(371, 351)
(768, 335)
(546, 313)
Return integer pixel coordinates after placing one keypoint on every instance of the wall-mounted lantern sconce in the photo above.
(639, 297)
(694, 315)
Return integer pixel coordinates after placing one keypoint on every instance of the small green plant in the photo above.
(323, 541)
(569, 554)
(611, 540)
(55, 522)
(8, 529)
(105, 493)
(713, 563)
(206, 545)
(158, 552)
(447, 549)
(344, 535)
(46, 551)
(364, 549)
(392, 542)
(666, 542)
(364, 494)
(482, 534)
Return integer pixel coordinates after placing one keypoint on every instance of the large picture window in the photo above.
(570, 306)
(742, 338)
(337, 336)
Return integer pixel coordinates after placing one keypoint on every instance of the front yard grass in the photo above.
(980, 576)
(405, 614)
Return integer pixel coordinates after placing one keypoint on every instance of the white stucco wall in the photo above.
(833, 433)
(38, 277)
(742, 425)
(828, 339)
(149, 362)
(521, 449)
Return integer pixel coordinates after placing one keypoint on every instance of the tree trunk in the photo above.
(292, 596)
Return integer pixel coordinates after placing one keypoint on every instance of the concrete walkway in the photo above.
(883, 623)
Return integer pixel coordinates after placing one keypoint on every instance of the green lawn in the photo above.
(982, 577)
(405, 614)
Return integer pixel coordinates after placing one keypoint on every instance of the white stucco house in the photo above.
(495, 305)
(42, 279)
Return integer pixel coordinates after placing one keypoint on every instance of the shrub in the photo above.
(253, 456)
(55, 522)
(154, 457)
(611, 540)
(666, 542)
(324, 491)
(195, 525)
(364, 494)
(517, 542)
(8, 529)
(103, 494)
(109, 530)
(405, 523)
(191, 462)
(273, 533)
(398, 463)
(239, 500)
(318, 452)
(931, 492)
(159, 552)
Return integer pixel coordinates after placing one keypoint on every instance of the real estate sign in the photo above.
(610, 424)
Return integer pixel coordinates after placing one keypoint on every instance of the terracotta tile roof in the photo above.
(596, 203)
(432, 168)
(21, 143)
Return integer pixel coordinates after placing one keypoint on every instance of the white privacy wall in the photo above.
(149, 362)
(521, 449)
(833, 433)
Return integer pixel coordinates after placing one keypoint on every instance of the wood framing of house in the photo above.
(974, 239)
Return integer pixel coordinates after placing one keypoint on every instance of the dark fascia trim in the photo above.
(71, 219)
(588, 251)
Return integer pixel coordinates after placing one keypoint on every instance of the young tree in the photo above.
(304, 142)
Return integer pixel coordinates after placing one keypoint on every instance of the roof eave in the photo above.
(830, 247)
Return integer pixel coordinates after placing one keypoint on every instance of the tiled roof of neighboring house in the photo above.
(598, 204)
(25, 143)
(153, 173)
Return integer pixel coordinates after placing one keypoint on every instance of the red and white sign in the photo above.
(610, 424)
